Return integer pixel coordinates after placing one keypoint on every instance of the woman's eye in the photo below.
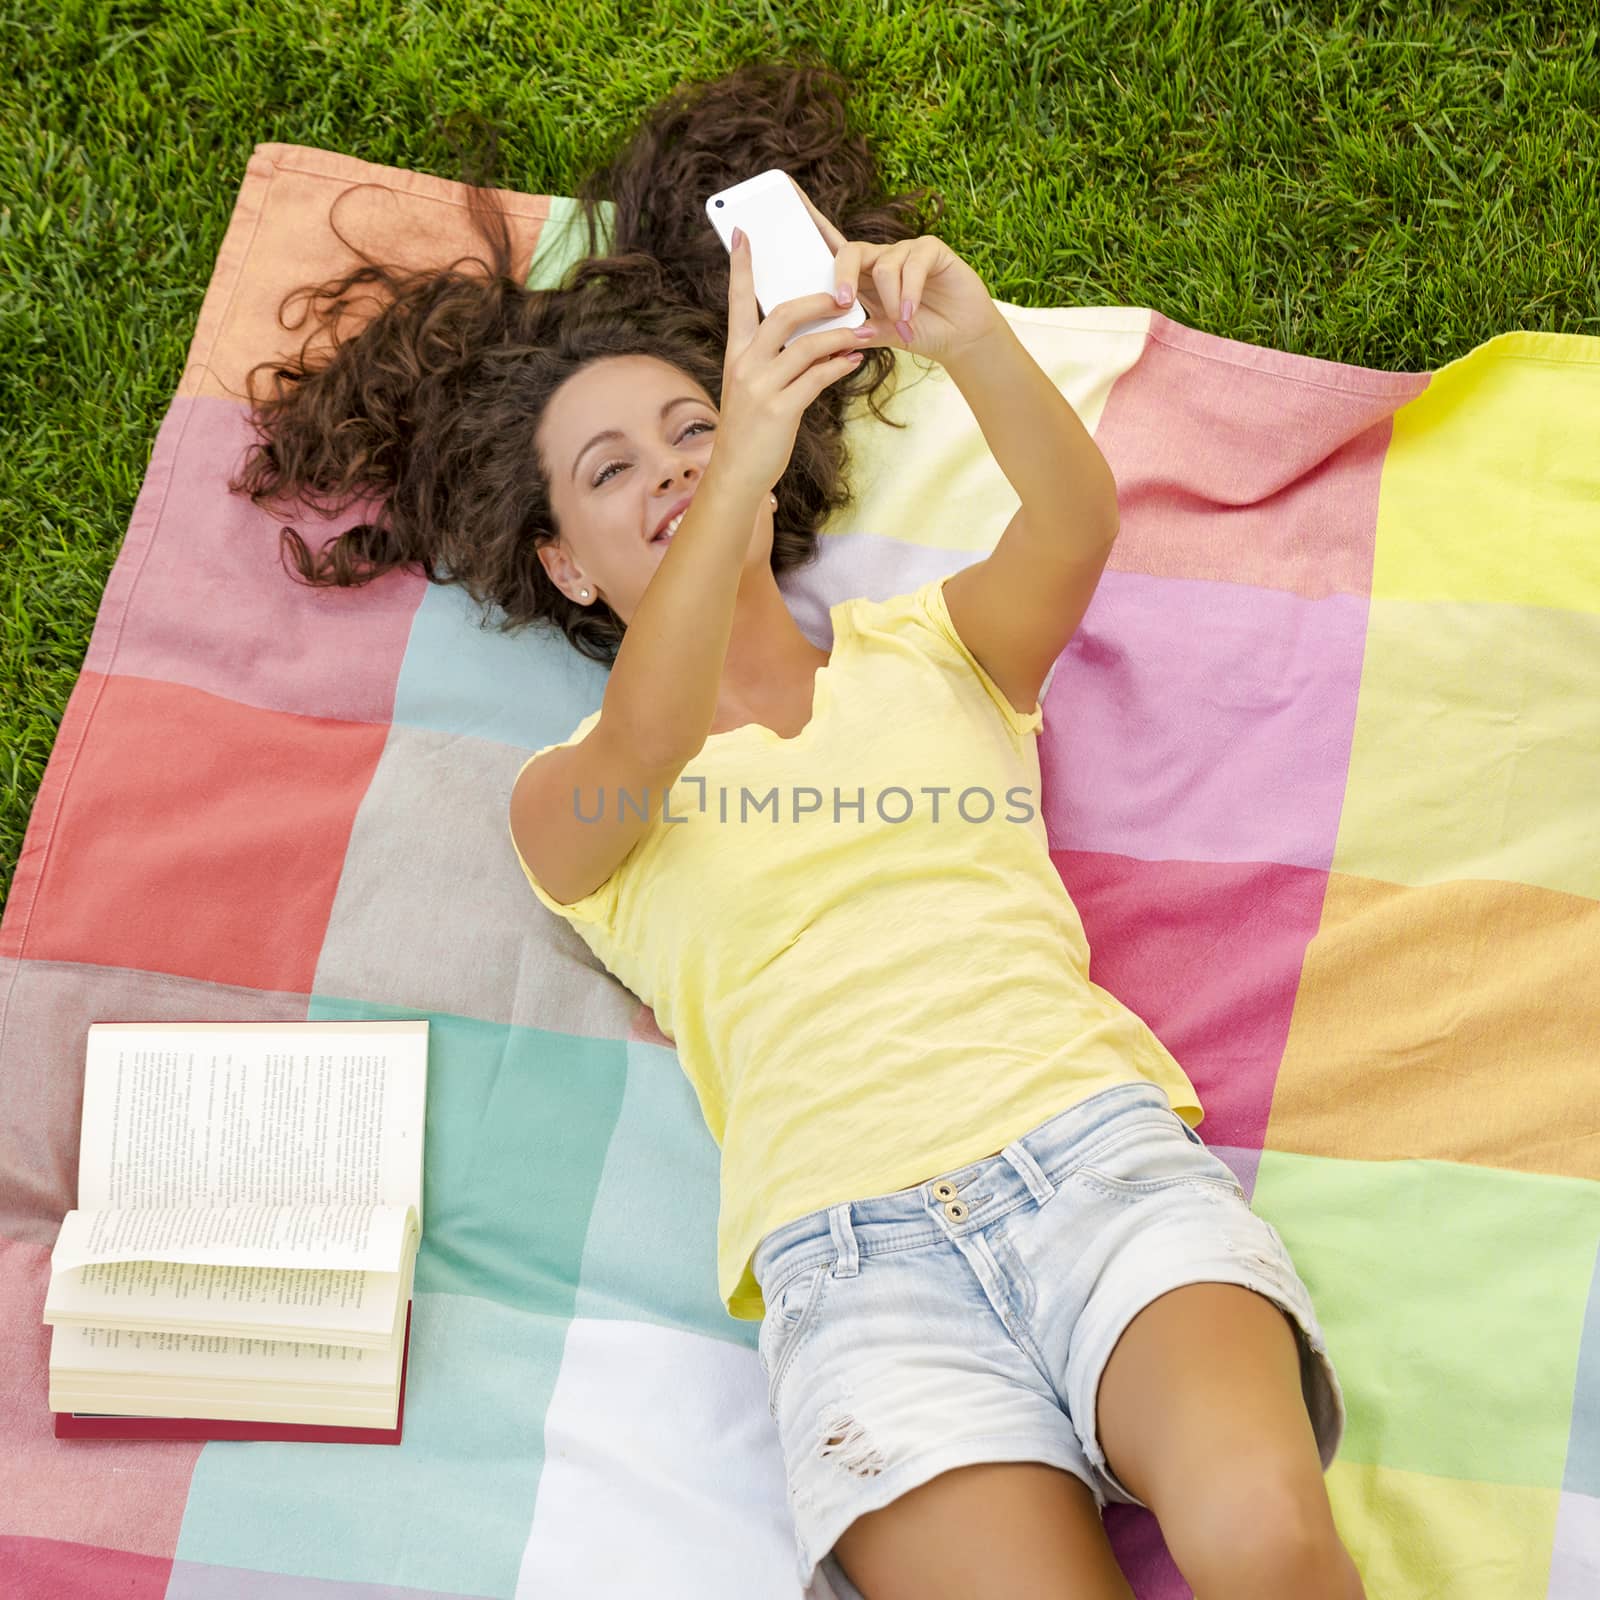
(605, 471)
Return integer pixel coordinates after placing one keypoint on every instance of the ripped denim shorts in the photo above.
(969, 1318)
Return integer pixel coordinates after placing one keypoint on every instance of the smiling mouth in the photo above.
(665, 536)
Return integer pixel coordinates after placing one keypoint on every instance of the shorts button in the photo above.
(956, 1211)
(944, 1191)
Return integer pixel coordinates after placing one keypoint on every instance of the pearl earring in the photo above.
(583, 593)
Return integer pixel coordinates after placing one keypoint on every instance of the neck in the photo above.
(767, 652)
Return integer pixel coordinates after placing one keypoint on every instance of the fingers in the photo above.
(792, 314)
(818, 355)
(858, 258)
(897, 279)
(912, 278)
(847, 265)
(743, 320)
(816, 378)
(897, 272)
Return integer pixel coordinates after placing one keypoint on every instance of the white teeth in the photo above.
(672, 527)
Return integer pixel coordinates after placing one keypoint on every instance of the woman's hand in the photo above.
(919, 295)
(766, 386)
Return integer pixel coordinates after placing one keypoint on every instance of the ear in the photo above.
(557, 566)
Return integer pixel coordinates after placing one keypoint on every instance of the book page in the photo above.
(114, 1353)
(367, 1238)
(200, 1115)
(297, 1303)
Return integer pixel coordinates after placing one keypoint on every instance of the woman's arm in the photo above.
(1017, 609)
(1068, 495)
(661, 695)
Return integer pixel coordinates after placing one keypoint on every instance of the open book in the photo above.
(250, 1208)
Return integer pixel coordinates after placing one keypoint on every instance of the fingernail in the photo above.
(905, 310)
(866, 331)
(737, 237)
(844, 294)
(904, 330)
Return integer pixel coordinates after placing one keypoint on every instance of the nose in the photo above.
(687, 475)
(673, 487)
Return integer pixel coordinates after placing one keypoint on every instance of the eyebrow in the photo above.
(616, 433)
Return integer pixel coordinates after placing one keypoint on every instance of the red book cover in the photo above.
(82, 1425)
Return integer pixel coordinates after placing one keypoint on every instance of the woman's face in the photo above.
(656, 428)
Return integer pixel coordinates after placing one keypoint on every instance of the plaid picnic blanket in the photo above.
(1319, 770)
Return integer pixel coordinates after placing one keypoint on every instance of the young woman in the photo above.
(1001, 1281)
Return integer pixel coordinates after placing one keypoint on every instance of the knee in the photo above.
(1262, 1533)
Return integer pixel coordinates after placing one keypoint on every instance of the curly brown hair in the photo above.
(429, 407)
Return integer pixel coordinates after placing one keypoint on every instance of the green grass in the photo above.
(1387, 185)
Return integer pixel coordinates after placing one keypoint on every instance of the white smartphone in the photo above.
(789, 257)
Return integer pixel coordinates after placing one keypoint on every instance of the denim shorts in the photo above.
(969, 1318)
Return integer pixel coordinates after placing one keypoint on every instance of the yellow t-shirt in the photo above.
(856, 938)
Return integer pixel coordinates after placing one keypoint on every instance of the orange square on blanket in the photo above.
(1446, 1021)
(195, 835)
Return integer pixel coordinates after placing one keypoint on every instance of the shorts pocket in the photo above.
(791, 1310)
(1154, 1151)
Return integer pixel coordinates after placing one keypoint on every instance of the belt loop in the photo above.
(1032, 1174)
(847, 1263)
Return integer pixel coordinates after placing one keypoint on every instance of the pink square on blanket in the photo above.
(201, 595)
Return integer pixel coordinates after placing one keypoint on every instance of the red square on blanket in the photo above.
(1208, 954)
(195, 835)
